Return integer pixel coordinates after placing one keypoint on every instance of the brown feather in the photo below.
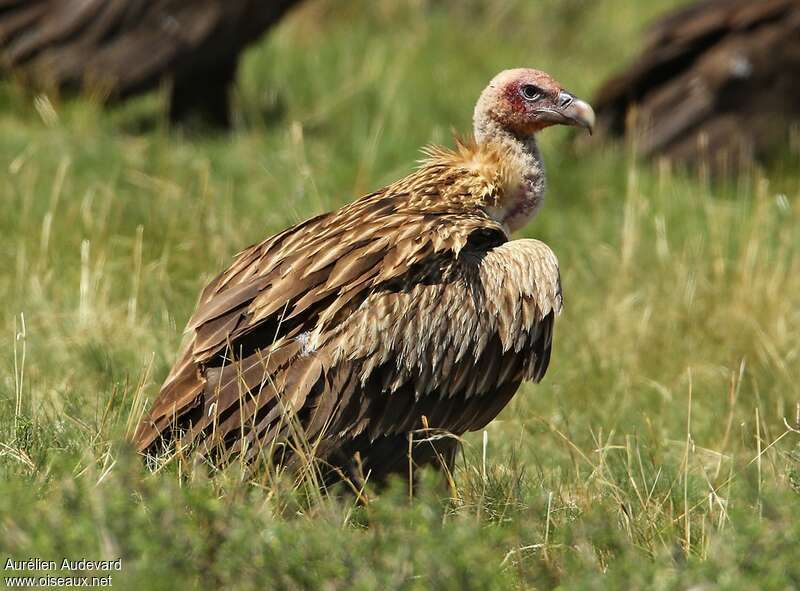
(410, 302)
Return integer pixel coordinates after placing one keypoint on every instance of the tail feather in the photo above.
(216, 407)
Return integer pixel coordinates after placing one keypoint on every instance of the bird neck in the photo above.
(522, 202)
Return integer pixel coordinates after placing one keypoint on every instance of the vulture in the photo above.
(718, 83)
(371, 337)
(114, 49)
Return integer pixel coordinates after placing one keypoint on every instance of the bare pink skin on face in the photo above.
(524, 101)
(515, 106)
(520, 111)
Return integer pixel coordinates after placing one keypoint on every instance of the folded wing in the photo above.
(355, 325)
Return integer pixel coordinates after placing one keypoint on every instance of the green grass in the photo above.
(661, 451)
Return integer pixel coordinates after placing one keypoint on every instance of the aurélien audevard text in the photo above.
(38, 564)
(67, 572)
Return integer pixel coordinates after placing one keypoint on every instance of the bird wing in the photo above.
(450, 341)
(307, 278)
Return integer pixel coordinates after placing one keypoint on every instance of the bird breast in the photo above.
(524, 203)
(524, 194)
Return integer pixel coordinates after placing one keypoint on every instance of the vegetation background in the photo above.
(662, 450)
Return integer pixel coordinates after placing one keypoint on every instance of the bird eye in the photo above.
(530, 92)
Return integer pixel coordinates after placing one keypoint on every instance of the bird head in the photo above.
(524, 101)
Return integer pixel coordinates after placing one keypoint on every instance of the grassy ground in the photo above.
(661, 451)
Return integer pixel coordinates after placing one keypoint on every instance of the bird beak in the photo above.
(569, 111)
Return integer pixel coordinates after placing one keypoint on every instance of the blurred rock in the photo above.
(113, 49)
(717, 82)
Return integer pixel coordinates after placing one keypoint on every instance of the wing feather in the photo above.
(433, 315)
(406, 353)
(268, 297)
